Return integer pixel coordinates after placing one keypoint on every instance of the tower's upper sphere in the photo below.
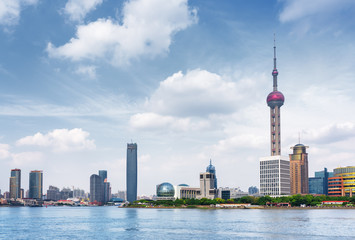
(275, 98)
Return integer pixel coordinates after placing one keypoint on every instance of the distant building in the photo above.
(96, 189)
(189, 192)
(165, 191)
(207, 186)
(79, 193)
(274, 176)
(319, 183)
(107, 188)
(131, 175)
(66, 193)
(53, 193)
(15, 184)
(299, 170)
(211, 169)
(121, 194)
(342, 184)
(253, 190)
(36, 185)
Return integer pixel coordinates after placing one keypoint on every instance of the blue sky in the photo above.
(186, 80)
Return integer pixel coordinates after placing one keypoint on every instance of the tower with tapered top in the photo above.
(275, 169)
(275, 100)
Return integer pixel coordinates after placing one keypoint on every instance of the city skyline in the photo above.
(188, 88)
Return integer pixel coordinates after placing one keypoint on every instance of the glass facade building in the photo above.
(319, 183)
(15, 184)
(131, 172)
(211, 169)
(165, 190)
(274, 176)
(96, 189)
(343, 182)
(36, 185)
(106, 191)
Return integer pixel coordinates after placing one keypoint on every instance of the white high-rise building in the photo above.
(274, 176)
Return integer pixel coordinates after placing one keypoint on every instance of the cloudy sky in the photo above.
(186, 80)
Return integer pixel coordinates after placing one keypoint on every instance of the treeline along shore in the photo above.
(295, 201)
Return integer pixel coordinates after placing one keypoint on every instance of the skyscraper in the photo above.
(299, 170)
(96, 189)
(36, 184)
(131, 174)
(211, 169)
(275, 170)
(15, 184)
(319, 183)
(106, 185)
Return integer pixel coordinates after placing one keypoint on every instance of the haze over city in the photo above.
(186, 80)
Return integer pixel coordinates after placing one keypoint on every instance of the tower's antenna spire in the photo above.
(274, 71)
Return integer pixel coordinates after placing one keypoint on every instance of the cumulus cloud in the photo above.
(197, 93)
(331, 133)
(77, 9)
(146, 30)
(60, 140)
(10, 10)
(153, 121)
(25, 158)
(4, 151)
(187, 102)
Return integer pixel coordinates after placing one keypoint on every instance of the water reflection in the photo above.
(131, 220)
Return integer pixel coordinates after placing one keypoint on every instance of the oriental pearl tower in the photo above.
(275, 100)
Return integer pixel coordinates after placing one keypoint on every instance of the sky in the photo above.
(185, 80)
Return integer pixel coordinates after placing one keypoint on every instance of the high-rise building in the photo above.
(319, 183)
(96, 189)
(299, 170)
(15, 184)
(275, 170)
(211, 169)
(36, 184)
(253, 190)
(53, 193)
(342, 184)
(207, 186)
(106, 192)
(131, 174)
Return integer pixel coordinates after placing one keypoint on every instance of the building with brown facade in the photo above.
(299, 170)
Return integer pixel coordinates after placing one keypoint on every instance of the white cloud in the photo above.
(188, 102)
(77, 9)
(10, 10)
(4, 151)
(331, 133)
(26, 158)
(198, 93)
(146, 30)
(60, 140)
(153, 121)
(89, 71)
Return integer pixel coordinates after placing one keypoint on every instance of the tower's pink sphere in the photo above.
(275, 98)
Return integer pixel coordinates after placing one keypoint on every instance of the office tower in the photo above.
(275, 170)
(15, 184)
(36, 184)
(96, 189)
(319, 183)
(106, 192)
(211, 169)
(207, 189)
(131, 174)
(342, 184)
(53, 193)
(299, 170)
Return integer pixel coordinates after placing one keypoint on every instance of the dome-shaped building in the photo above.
(165, 190)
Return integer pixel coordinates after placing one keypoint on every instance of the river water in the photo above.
(123, 223)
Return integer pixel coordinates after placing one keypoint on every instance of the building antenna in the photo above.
(299, 137)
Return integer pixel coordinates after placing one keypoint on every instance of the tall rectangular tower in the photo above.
(299, 170)
(131, 174)
(15, 184)
(36, 184)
